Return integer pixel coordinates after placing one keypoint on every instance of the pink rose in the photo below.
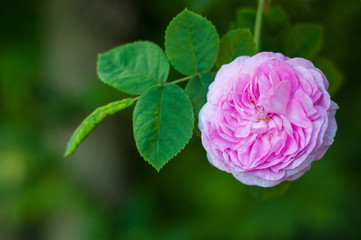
(267, 117)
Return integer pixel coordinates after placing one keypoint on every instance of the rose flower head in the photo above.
(267, 117)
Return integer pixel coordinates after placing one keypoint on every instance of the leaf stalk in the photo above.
(182, 79)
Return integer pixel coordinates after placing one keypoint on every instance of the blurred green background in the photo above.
(48, 84)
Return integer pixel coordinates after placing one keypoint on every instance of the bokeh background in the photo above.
(48, 85)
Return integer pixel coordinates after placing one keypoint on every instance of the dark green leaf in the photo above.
(332, 73)
(303, 40)
(93, 120)
(246, 18)
(162, 123)
(276, 20)
(134, 67)
(197, 89)
(276, 26)
(238, 42)
(191, 43)
(199, 6)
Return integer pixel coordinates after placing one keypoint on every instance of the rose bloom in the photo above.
(267, 117)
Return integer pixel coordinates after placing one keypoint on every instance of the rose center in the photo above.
(265, 119)
(262, 115)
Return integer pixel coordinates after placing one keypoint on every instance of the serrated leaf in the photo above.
(162, 123)
(303, 40)
(132, 68)
(333, 74)
(238, 42)
(197, 89)
(93, 120)
(191, 43)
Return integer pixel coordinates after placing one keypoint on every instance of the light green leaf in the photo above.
(303, 40)
(197, 89)
(238, 42)
(162, 123)
(93, 120)
(333, 74)
(134, 67)
(191, 43)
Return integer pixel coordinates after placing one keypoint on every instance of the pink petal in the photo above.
(278, 99)
(296, 115)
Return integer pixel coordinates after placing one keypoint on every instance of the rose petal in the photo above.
(277, 101)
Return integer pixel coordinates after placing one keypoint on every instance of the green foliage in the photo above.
(276, 20)
(163, 118)
(333, 74)
(93, 120)
(275, 30)
(134, 67)
(303, 40)
(238, 42)
(245, 18)
(197, 89)
(162, 123)
(191, 43)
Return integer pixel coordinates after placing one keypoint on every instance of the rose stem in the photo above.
(257, 27)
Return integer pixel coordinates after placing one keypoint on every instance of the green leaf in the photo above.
(276, 20)
(162, 123)
(197, 89)
(303, 40)
(191, 43)
(134, 67)
(238, 42)
(245, 18)
(93, 120)
(275, 29)
(333, 74)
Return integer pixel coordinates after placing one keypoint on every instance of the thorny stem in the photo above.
(258, 23)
